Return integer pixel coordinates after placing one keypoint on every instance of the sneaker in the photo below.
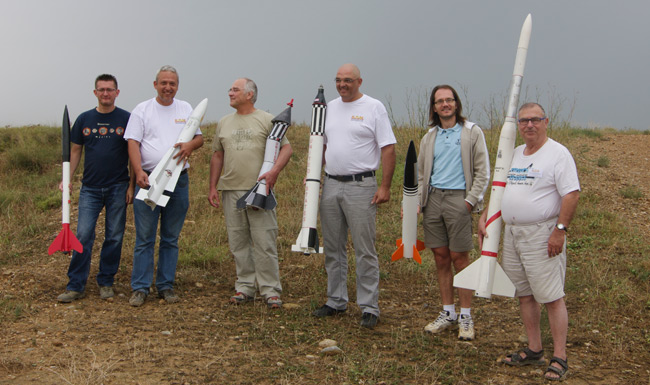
(326, 311)
(240, 298)
(274, 302)
(168, 295)
(465, 328)
(369, 320)
(137, 298)
(106, 292)
(443, 322)
(70, 296)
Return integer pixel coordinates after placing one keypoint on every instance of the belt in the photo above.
(350, 178)
(182, 172)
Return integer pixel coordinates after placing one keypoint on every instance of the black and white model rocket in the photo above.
(307, 242)
(165, 176)
(485, 275)
(409, 246)
(257, 196)
(66, 240)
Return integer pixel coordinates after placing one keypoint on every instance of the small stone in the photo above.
(198, 284)
(326, 343)
(57, 343)
(331, 351)
(310, 357)
(523, 339)
(166, 333)
(280, 364)
(290, 306)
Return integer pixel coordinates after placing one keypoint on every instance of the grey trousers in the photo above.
(346, 205)
(252, 238)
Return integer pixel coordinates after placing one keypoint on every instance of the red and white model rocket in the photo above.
(66, 240)
(307, 242)
(485, 275)
(409, 246)
(165, 176)
(257, 196)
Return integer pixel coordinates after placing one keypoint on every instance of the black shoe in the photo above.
(326, 311)
(369, 320)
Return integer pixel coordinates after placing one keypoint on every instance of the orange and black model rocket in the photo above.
(66, 240)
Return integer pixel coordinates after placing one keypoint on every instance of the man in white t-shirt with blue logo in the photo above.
(539, 201)
(358, 138)
(152, 130)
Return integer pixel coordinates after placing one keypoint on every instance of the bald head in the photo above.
(348, 81)
(351, 69)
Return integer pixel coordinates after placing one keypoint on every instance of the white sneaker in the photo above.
(443, 322)
(465, 328)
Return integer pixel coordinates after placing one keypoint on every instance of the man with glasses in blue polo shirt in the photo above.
(453, 172)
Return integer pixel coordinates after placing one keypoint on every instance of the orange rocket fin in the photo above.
(399, 253)
(416, 254)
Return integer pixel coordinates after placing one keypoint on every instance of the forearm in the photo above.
(387, 165)
(568, 207)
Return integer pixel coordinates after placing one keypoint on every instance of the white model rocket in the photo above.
(66, 240)
(307, 242)
(409, 246)
(165, 176)
(257, 197)
(485, 275)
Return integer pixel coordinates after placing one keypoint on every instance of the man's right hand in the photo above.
(482, 231)
(142, 179)
(213, 198)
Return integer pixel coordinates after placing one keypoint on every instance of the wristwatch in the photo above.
(561, 227)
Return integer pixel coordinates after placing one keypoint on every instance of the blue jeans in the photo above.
(91, 202)
(171, 219)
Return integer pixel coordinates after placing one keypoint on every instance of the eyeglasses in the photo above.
(346, 80)
(534, 121)
(440, 101)
(102, 90)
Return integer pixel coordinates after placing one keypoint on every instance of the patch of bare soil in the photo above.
(204, 340)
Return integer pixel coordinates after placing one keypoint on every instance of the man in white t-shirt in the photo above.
(358, 137)
(538, 203)
(153, 128)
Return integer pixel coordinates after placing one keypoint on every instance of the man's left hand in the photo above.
(381, 196)
(555, 243)
(184, 152)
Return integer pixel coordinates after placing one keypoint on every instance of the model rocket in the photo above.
(257, 196)
(66, 240)
(485, 275)
(409, 246)
(165, 176)
(307, 242)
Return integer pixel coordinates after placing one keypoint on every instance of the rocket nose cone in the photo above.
(411, 155)
(320, 96)
(284, 116)
(410, 167)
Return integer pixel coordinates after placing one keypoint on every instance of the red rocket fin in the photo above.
(398, 242)
(290, 104)
(419, 245)
(399, 253)
(65, 242)
(416, 254)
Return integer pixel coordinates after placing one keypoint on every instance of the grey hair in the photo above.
(167, 68)
(531, 105)
(250, 86)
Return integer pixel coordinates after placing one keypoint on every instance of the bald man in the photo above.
(358, 138)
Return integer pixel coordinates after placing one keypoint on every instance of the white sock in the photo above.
(451, 309)
(466, 311)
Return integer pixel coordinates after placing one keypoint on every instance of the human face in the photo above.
(533, 134)
(238, 95)
(106, 92)
(442, 106)
(348, 82)
(166, 84)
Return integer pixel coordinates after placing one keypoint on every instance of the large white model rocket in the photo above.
(257, 196)
(485, 275)
(307, 242)
(165, 176)
(66, 240)
(409, 246)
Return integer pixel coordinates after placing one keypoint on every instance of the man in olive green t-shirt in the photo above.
(239, 145)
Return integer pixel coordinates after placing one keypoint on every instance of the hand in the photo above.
(482, 232)
(555, 243)
(130, 193)
(381, 196)
(469, 207)
(213, 198)
(184, 152)
(270, 177)
(61, 186)
(142, 179)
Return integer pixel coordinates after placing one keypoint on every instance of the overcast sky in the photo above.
(591, 52)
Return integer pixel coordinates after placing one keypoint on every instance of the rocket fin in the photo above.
(270, 203)
(241, 202)
(468, 278)
(313, 239)
(419, 245)
(502, 286)
(65, 242)
(398, 242)
(399, 253)
(416, 255)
